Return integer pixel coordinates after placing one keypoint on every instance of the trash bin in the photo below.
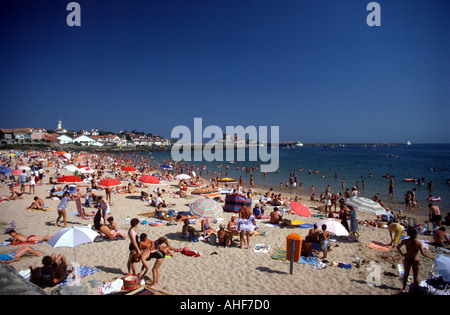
(297, 238)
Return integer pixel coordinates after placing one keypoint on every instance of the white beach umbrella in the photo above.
(71, 168)
(333, 227)
(182, 176)
(72, 237)
(86, 170)
(366, 205)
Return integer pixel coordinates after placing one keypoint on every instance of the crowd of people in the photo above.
(238, 232)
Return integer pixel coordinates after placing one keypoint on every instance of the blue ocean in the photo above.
(324, 165)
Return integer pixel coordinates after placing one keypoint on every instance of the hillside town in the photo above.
(93, 137)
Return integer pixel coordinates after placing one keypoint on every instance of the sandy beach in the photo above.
(217, 271)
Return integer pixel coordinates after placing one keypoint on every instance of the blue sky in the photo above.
(313, 68)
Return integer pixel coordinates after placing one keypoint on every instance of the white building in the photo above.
(64, 139)
(85, 140)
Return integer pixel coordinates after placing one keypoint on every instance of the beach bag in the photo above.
(171, 213)
(213, 239)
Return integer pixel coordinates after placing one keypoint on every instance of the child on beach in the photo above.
(62, 207)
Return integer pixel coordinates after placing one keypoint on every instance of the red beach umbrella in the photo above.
(17, 172)
(300, 209)
(147, 179)
(129, 169)
(110, 182)
(69, 179)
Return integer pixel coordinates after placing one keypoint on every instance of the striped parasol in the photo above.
(366, 205)
(206, 208)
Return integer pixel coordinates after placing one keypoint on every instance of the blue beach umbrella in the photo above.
(167, 167)
(6, 170)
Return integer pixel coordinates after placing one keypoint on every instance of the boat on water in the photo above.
(299, 144)
(408, 142)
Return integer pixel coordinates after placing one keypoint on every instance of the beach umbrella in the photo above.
(6, 170)
(11, 154)
(77, 159)
(110, 182)
(17, 172)
(300, 209)
(72, 237)
(86, 170)
(182, 176)
(206, 208)
(366, 205)
(226, 179)
(71, 168)
(69, 179)
(333, 227)
(147, 179)
(128, 169)
(442, 264)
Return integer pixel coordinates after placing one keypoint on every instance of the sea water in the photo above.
(324, 165)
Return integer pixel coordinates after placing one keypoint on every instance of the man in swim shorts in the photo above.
(435, 214)
(20, 238)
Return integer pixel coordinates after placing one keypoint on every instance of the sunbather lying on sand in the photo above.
(18, 254)
(20, 238)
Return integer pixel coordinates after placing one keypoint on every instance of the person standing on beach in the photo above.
(435, 214)
(135, 251)
(23, 180)
(413, 248)
(62, 207)
(354, 225)
(327, 201)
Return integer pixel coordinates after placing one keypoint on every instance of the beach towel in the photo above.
(45, 209)
(425, 244)
(82, 271)
(308, 261)
(261, 248)
(279, 254)
(111, 286)
(189, 252)
(80, 209)
(379, 246)
(8, 243)
(273, 225)
(345, 266)
(306, 226)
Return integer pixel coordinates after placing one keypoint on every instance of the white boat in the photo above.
(299, 144)
(408, 142)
